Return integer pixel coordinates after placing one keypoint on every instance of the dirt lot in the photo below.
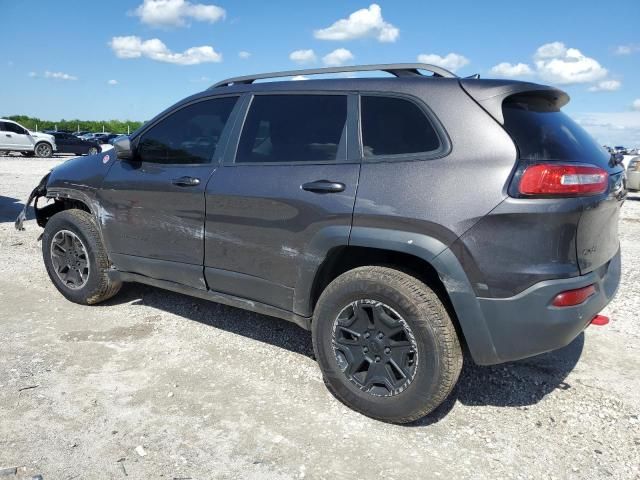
(158, 385)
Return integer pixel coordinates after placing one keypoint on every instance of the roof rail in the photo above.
(397, 69)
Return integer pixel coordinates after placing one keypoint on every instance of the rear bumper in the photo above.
(527, 324)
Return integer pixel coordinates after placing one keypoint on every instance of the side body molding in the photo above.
(464, 301)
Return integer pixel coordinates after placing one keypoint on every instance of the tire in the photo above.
(92, 151)
(65, 229)
(422, 325)
(43, 150)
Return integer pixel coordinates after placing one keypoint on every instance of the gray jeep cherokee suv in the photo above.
(399, 219)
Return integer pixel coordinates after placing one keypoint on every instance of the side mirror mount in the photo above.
(122, 146)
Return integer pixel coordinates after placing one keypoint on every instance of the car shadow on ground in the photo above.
(514, 384)
(9, 209)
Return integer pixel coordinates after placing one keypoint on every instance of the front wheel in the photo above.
(43, 150)
(92, 151)
(76, 259)
(385, 343)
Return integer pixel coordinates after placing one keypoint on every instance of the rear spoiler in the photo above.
(490, 94)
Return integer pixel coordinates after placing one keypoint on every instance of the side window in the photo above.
(189, 135)
(3, 127)
(394, 126)
(293, 128)
(12, 127)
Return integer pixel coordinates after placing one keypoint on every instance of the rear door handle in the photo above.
(323, 186)
(8, 134)
(186, 181)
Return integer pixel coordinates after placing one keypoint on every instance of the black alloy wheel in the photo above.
(70, 259)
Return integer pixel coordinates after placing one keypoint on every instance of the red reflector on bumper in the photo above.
(600, 320)
(571, 298)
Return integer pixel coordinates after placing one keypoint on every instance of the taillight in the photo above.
(563, 180)
(571, 298)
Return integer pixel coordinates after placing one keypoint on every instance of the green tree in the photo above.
(112, 126)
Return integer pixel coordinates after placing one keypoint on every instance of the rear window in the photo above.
(542, 132)
(394, 126)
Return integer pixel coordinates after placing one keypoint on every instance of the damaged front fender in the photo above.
(36, 193)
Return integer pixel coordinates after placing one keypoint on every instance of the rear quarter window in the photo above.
(395, 126)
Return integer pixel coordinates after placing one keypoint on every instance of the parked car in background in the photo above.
(16, 138)
(68, 143)
(104, 138)
(81, 133)
(633, 174)
(620, 149)
(398, 219)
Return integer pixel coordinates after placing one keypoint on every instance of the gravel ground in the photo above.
(155, 384)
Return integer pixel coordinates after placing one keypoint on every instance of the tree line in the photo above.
(112, 126)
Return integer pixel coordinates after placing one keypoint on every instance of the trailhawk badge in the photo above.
(106, 158)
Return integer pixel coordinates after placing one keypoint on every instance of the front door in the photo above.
(153, 206)
(276, 207)
(14, 137)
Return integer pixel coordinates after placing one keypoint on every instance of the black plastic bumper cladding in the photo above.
(527, 324)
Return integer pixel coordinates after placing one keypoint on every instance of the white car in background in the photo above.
(15, 138)
(633, 174)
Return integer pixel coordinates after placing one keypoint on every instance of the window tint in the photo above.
(293, 128)
(542, 132)
(189, 135)
(12, 127)
(393, 126)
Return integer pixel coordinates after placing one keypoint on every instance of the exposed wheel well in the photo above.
(43, 214)
(343, 259)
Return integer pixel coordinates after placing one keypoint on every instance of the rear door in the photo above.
(283, 197)
(153, 206)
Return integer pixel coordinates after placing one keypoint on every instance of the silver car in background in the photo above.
(633, 174)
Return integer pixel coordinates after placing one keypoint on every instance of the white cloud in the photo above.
(33, 74)
(134, 47)
(558, 64)
(627, 49)
(176, 12)
(244, 55)
(636, 104)
(59, 76)
(506, 69)
(112, 82)
(338, 57)
(612, 128)
(451, 61)
(367, 22)
(299, 77)
(303, 56)
(606, 86)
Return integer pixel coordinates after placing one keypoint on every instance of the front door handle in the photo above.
(186, 181)
(323, 186)
(8, 134)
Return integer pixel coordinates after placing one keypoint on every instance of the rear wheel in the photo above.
(43, 150)
(75, 258)
(385, 343)
(92, 151)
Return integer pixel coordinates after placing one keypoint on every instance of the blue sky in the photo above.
(132, 58)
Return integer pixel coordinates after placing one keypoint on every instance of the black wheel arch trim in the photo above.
(431, 250)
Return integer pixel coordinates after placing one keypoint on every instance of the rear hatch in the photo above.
(545, 135)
